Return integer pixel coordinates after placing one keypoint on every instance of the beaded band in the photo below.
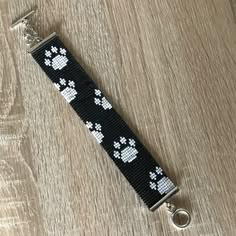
(109, 129)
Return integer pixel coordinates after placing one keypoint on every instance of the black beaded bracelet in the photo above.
(105, 124)
(109, 129)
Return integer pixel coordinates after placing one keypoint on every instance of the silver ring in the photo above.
(181, 212)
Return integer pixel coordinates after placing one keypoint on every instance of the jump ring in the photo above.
(178, 213)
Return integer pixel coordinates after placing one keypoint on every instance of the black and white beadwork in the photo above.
(56, 58)
(67, 89)
(125, 150)
(160, 183)
(109, 129)
(99, 100)
(96, 130)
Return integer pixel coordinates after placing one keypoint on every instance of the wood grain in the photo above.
(169, 69)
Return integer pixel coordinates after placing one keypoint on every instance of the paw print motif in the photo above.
(67, 89)
(95, 130)
(125, 150)
(101, 101)
(56, 58)
(163, 185)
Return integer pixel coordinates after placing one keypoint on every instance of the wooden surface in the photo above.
(168, 67)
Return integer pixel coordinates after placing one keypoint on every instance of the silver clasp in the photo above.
(31, 37)
(180, 217)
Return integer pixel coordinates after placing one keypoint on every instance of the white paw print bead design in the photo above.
(163, 185)
(56, 58)
(95, 129)
(99, 100)
(67, 89)
(125, 150)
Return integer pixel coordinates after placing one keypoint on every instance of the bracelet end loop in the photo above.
(180, 217)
